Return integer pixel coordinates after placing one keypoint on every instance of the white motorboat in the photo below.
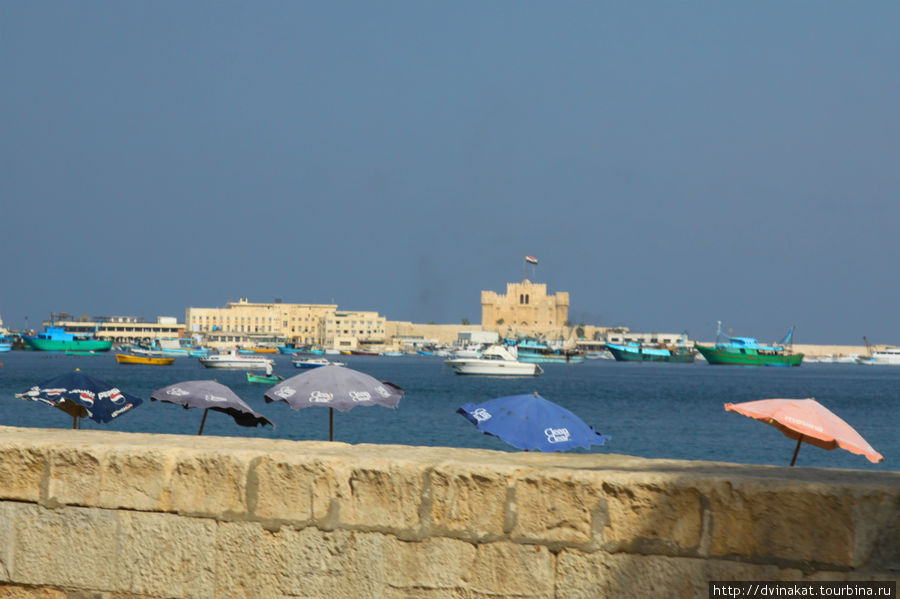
(889, 356)
(233, 360)
(315, 363)
(496, 360)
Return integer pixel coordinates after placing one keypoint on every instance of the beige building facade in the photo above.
(266, 323)
(525, 308)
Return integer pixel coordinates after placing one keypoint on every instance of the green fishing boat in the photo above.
(269, 379)
(57, 339)
(747, 351)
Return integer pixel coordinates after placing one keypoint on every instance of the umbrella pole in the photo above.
(796, 450)
(75, 420)
(202, 422)
(331, 424)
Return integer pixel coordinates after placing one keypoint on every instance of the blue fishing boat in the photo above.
(6, 343)
(536, 351)
(638, 352)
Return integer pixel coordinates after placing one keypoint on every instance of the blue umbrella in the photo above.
(81, 395)
(531, 422)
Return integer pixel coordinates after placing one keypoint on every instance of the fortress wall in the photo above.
(116, 515)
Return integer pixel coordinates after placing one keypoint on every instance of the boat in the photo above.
(269, 379)
(747, 351)
(888, 356)
(147, 360)
(639, 352)
(364, 352)
(315, 362)
(58, 339)
(233, 360)
(537, 351)
(6, 343)
(496, 360)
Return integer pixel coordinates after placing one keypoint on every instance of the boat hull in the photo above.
(729, 356)
(235, 363)
(62, 345)
(550, 358)
(627, 354)
(252, 377)
(493, 367)
(147, 360)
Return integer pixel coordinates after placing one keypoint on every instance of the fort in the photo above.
(121, 515)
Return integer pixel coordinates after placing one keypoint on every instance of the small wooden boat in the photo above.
(267, 379)
(150, 360)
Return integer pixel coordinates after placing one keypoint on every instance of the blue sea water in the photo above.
(649, 410)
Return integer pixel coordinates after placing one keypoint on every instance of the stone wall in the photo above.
(114, 515)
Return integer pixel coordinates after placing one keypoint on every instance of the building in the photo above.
(122, 329)
(526, 308)
(261, 323)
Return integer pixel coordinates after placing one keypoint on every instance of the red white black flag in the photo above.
(531, 259)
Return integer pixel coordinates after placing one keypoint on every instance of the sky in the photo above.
(670, 164)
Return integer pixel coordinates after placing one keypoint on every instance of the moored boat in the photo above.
(5, 343)
(58, 339)
(147, 360)
(638, 352)
(536, 351)
(747, 351)
(269, 379)
(315, 362)
(889, 356)
(496, 360)
(233, 360)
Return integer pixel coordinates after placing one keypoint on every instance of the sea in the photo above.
(653, 410)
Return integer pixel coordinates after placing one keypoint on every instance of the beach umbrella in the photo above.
(806, 420)
(210, 395)
(334, 387)
(82, 396)
(531, 422)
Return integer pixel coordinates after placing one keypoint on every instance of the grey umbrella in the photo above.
(210, 395)
(334, 387)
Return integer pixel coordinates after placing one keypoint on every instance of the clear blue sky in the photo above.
(670, 164)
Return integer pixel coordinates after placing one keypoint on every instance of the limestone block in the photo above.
(291, 488)
(876, 520)
(377, 494)
(433, 564)
(7, 537)
(17, 592)
(511, 570)
(469, 499)
(340, 563)
(627, 576)
(75, 475)
(209, 482)
(165, 555)
(72, 547)
(653, 516)
(799, 522)
(250, 561)
(21, 471)
(553, 506)
(136, 478)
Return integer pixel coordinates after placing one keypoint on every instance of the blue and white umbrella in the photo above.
(81, 395)
(531, 422)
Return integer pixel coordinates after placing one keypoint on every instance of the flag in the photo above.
(531, 259)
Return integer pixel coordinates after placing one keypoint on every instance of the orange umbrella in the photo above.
(807, 420)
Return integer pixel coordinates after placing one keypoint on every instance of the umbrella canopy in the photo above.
(807, 420)
(335, 387)
(81, 395)
(210, 395)
(531, 422)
